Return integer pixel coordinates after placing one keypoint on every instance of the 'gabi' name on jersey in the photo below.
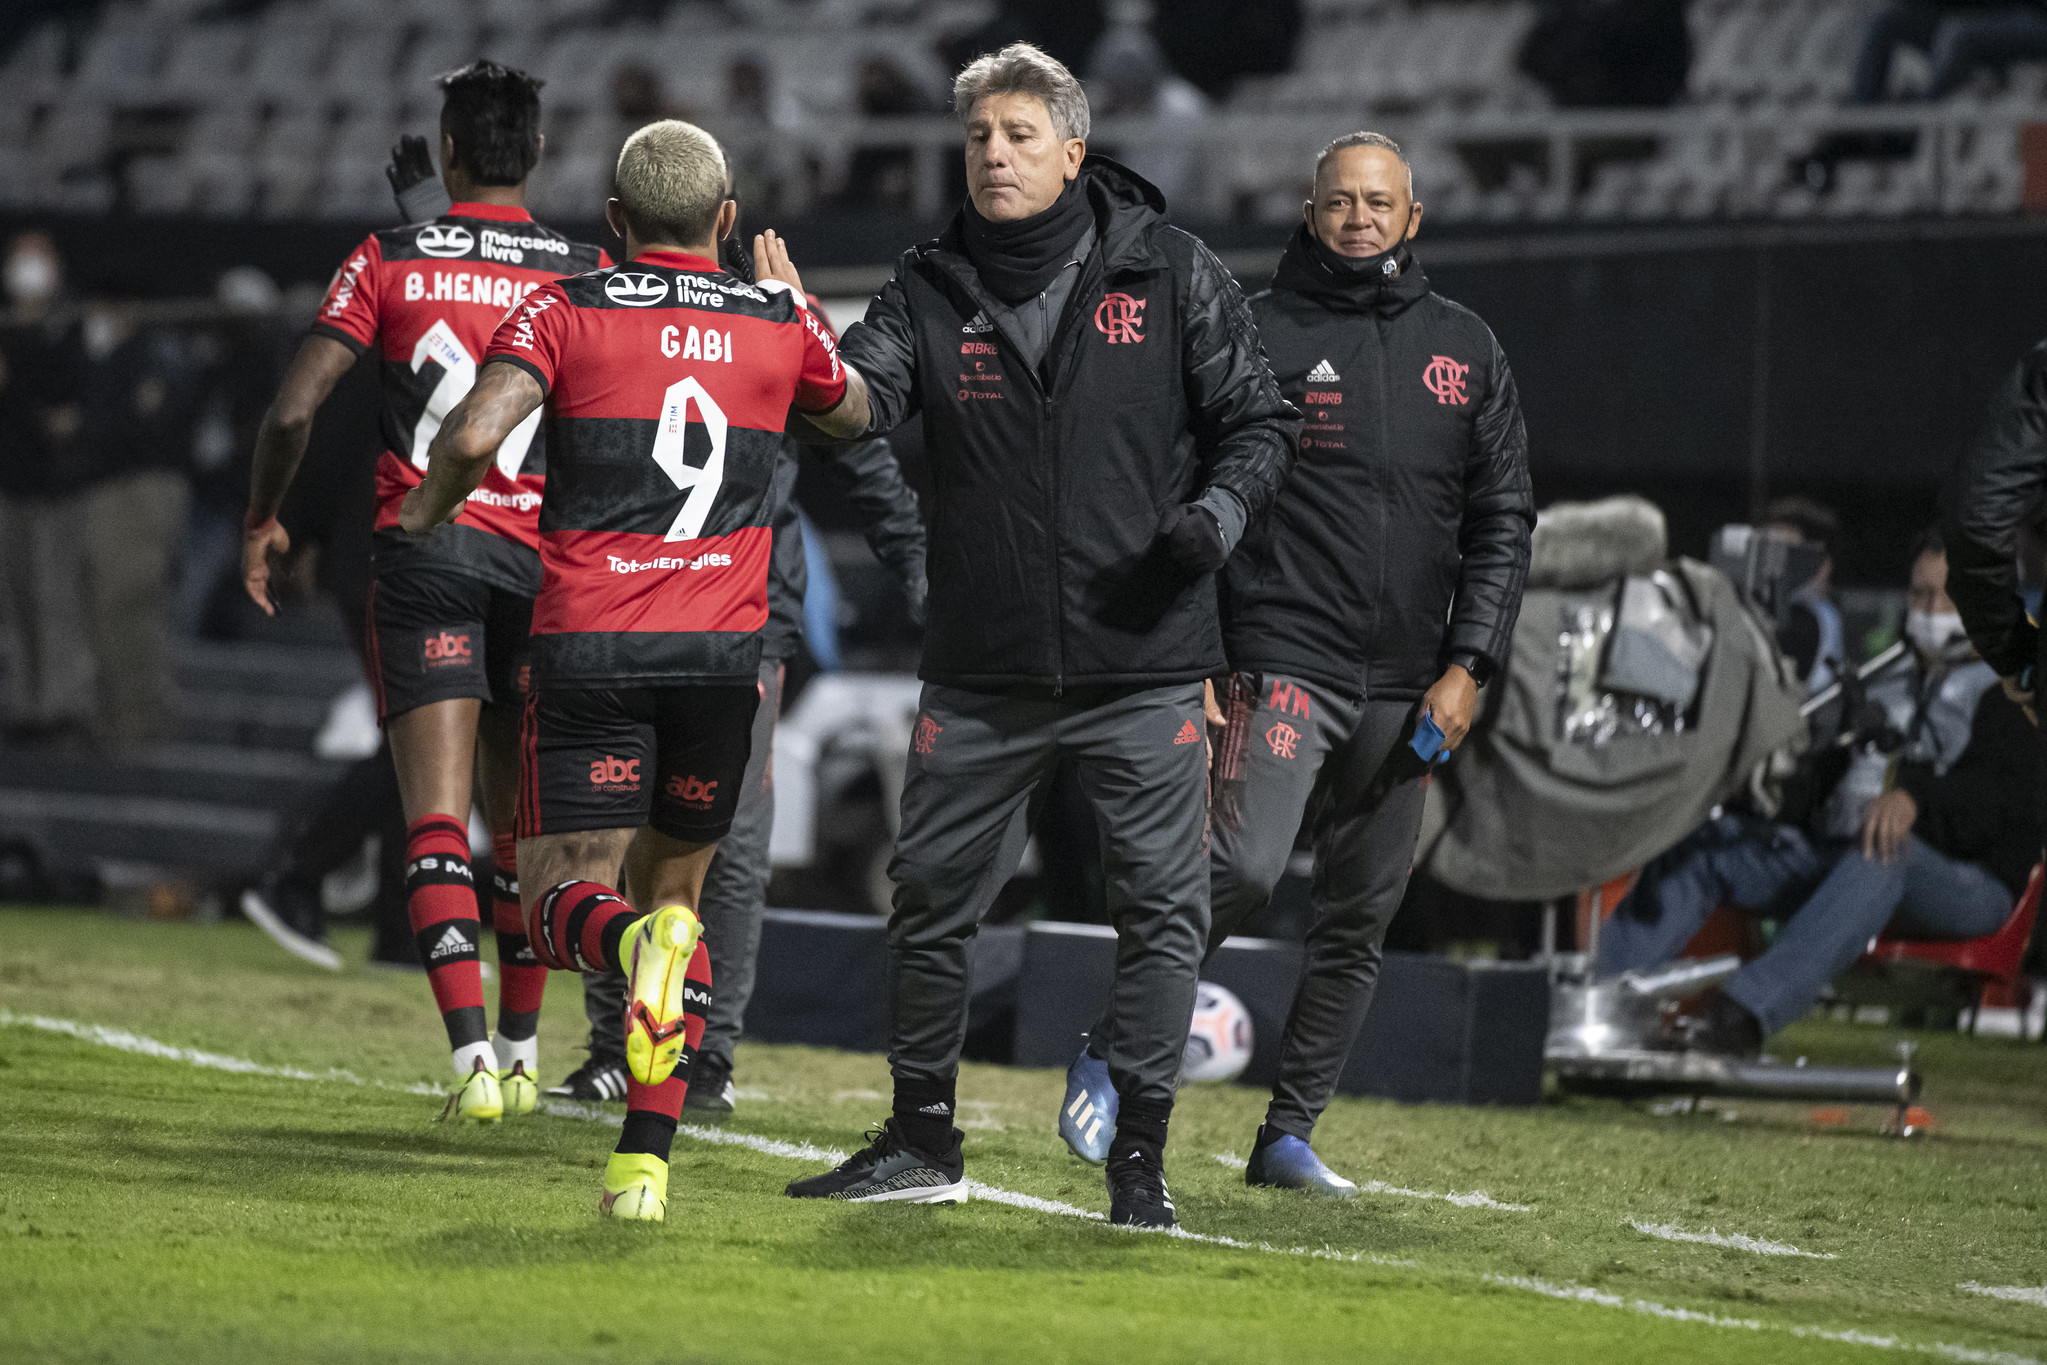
(668, 386)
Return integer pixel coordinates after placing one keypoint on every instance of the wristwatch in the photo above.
(1477, 665)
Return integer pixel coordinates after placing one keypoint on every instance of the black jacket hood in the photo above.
(1128, 210)
(1302, 271)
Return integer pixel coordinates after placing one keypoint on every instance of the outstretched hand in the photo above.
(262, 546)
(771, 261)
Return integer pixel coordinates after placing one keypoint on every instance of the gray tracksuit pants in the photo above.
(975, 761)
(1294, 749)
(735, 894)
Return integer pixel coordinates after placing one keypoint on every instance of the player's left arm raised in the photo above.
(851, 415)
(504, 396)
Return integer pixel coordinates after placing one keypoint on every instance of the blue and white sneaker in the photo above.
(1285, 1162)
(1087, 1117)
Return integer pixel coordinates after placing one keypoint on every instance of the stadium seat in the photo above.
(1998, 959)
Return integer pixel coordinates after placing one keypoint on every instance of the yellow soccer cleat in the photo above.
(657, 950)
(519, 1090)
(635, 1187)
(478, 1099)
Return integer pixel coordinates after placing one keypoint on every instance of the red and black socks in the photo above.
(577, 926)
(652, 1111)
(522, 977)
(440, 901)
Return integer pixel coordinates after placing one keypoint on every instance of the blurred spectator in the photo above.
(1067, 29)
(247, 361)
(141, 396)
(884, 178)
(1811, 633)
(1926, 831)
(1961, 36)
(1609, 54)
(1129, 77)
(42, 467)
(770, 178)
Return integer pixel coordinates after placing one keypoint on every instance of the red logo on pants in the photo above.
(615, 772)
(447, 649)
(926, 737)
(692, 791)
(1282, 737)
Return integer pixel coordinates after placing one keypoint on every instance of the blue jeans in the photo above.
(1831, 899)
(1959, 41)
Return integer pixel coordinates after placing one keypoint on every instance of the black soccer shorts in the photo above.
(438, 636)
(617, 758)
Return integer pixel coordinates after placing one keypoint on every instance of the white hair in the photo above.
(1024, 69)
(672, 180)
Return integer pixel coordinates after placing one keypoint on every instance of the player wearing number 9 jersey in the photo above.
(667, 384)
(448, 618)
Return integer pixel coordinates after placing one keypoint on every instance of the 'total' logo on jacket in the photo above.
(1120, 318)
(1445, 378)
(692, 791)
(448, 650)
(615, 774)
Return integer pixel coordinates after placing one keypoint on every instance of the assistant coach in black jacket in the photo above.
(1100, 427)
(1999, 488)
(1382, 589)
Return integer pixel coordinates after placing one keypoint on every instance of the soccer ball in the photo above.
(1219, 1039)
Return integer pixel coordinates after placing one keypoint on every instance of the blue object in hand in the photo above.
(1428, 740)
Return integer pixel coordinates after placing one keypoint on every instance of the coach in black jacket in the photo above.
(1100, 427)
(1999, 488)
(1382, 589)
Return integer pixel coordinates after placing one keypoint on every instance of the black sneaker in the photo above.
(596, 1079)
(1137, 1189)
(891, 1169)
(1727, 1030)
(710, 1086)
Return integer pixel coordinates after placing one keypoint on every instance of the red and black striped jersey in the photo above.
(429, 296)
(668, 385)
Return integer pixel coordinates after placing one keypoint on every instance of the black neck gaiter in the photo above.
(1375, 268)
(1017, 260)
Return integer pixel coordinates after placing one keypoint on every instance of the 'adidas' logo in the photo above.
(979, 323)
(1189, 734)
(1324, 373)
(943, 1111)
(451, 943)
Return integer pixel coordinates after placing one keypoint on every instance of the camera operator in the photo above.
(1920, 832)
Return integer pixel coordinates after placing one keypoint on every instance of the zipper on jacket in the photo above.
(1058, 567)
(1385, 491)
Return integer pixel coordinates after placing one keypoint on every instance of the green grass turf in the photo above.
(152, 1210)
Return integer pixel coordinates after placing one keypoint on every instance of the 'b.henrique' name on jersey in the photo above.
(668, 385)
(429, 296)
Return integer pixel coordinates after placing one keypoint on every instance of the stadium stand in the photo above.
(168, 106)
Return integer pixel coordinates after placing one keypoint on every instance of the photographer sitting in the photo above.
(1928, 830)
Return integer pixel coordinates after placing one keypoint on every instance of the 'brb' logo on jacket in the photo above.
(614, 772)
(447, 649)
(1120, 318)
(1445, 379)
(693, 791)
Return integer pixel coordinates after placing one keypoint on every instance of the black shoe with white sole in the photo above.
(1137, 1188)
(889, 1169)
(598, 1078)
(710, 1085)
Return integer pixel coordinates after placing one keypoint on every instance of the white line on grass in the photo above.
(2017, 1293)
(1477, 1199)
(1671, 1232)
(124, 1041)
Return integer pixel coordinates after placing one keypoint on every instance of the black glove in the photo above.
(414, 183)
(1193, 539)
(735, 253)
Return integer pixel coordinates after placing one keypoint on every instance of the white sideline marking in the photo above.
(2016, 1293)
(1477, 1199)
(124, 1041)
(1671, 1232)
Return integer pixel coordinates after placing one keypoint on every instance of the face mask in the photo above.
(1932, 631)
(31, 277)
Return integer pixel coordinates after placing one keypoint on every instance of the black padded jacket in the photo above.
(2000, 486)
(1048, 482)
(1401, 542)
(872, 481)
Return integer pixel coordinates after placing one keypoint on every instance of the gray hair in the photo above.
(1362, 139)
(672, 180)
(1024, 69)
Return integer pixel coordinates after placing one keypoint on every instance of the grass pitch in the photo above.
(155, 1209)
